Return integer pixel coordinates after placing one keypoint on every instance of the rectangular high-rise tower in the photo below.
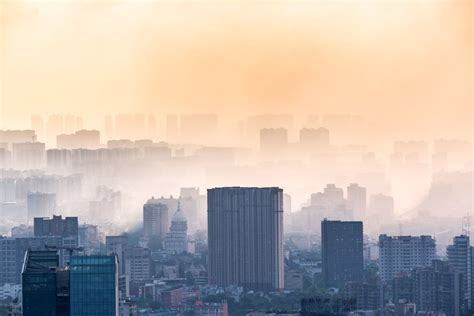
(342, 252)
(245, 232)
(155, 219)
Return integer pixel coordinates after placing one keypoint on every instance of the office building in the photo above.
(404, 253)
(56, 226)
(94, 285)
(45, 287)
(155, 219)
(342, 252)
(245, 237)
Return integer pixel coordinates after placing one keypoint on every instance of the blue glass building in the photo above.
(94, 285)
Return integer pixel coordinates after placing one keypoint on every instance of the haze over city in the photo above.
(338, 133)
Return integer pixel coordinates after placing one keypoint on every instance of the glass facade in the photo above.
(94, 286)
(39, 283)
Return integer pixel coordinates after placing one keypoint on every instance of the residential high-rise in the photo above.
(459, 255)
(245, 237)
(155, 219)
(342, 252)
(357, 199)
(176, 240)
(31, 155)
(89, 139)
(404, 253)
(94, 285)
(438, 288)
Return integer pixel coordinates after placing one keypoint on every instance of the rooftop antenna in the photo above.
(466, 225)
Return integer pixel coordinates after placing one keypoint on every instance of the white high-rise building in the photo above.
(403, 253)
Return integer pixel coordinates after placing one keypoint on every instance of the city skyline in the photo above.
(236, 158)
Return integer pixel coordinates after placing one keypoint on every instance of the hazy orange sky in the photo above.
(406, 64)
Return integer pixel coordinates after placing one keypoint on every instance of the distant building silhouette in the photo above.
(89, 139)
(357, 199)
(40, 204)
(273, 142)
(314, 139)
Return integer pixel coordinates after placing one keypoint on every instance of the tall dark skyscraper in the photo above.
(45, 287)
(245, 232)
(342, 252)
